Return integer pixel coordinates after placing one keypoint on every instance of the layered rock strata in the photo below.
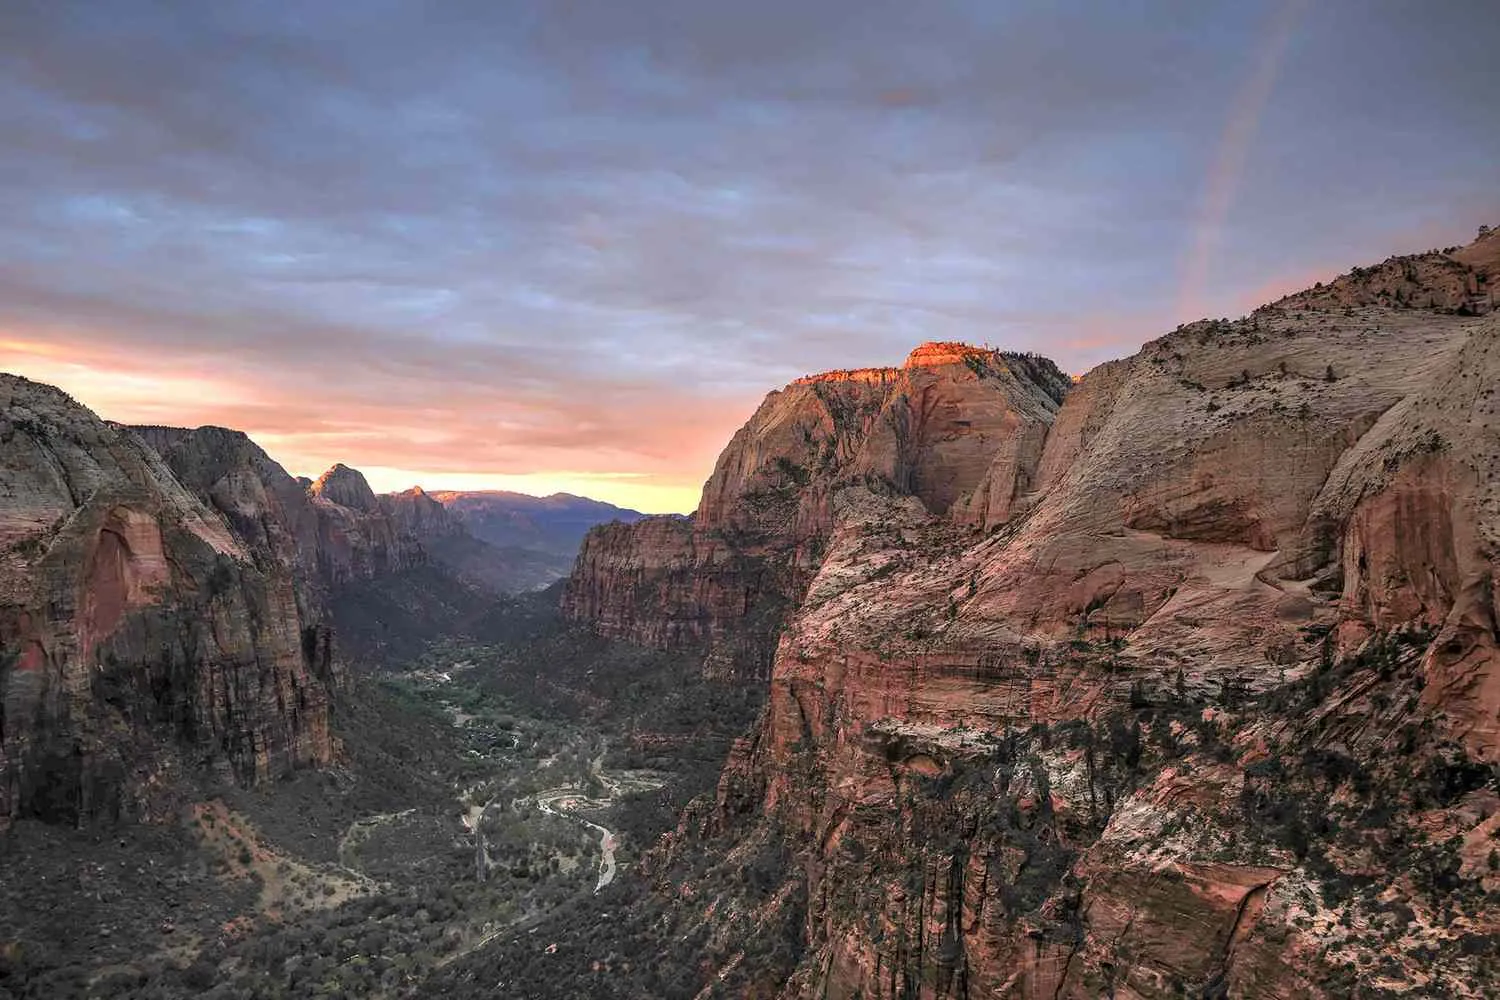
(142, 633)
(958, 428)
(1209, 707)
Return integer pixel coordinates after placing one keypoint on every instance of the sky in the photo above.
(570, 244)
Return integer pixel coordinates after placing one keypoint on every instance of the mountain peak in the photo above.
(944, 352)
(346, 487)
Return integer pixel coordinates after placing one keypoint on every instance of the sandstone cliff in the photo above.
(358, 535)
(958, 428)
(265, 507)
(1209, 707)
(329, 532)
(142, 634)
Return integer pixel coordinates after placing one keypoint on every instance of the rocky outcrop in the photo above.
(142, 634)
(1459, 280)
(1419, 507)
(266, 508)
(329, 533)
(659, 583)
(446, 541)
(1208, 708)
(958, 428)
(358, 536)
(418, 515)
(346, 487)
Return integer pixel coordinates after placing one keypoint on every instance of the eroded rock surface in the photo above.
(958, 428)
(142, 633)
(1186, 686)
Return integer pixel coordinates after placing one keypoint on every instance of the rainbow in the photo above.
(1229, 160)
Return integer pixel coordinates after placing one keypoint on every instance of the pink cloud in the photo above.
(648, 446)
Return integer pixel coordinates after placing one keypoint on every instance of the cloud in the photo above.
(586, 236)
(630, 441)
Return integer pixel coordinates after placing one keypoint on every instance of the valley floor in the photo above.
(483, 788)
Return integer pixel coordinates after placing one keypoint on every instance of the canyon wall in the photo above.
(165, 605)
(359, 535)
(329, 533)
(1191, 691)
(144, 631)
(956, 427)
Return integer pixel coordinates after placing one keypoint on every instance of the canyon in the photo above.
(967, 678)
(1180, 680)
(166, 605)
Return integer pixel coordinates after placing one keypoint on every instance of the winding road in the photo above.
(567, 801)
(561, 802)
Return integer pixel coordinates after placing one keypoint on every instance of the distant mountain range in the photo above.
(537, 536)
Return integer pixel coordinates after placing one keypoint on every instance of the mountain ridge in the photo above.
(1178, 706)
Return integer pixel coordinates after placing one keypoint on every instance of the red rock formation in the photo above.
(358, 537)
(267, 509)
(346, 487)
(140, 633)
(329, 532)
(1190, 721)
(417, 514)
(957, 427)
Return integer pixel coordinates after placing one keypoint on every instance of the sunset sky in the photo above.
(569, 244)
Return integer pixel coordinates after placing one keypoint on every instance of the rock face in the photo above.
(143, 630)
(329, 532)
(1189, 686)
(958, 428)
(346, 487)
(269, 510)
(438, 524)
(358, 535)
(418, 515)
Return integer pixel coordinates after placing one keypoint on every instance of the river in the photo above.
(566, 801)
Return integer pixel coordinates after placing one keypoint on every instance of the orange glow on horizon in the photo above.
(621, 490)
(372, 440)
